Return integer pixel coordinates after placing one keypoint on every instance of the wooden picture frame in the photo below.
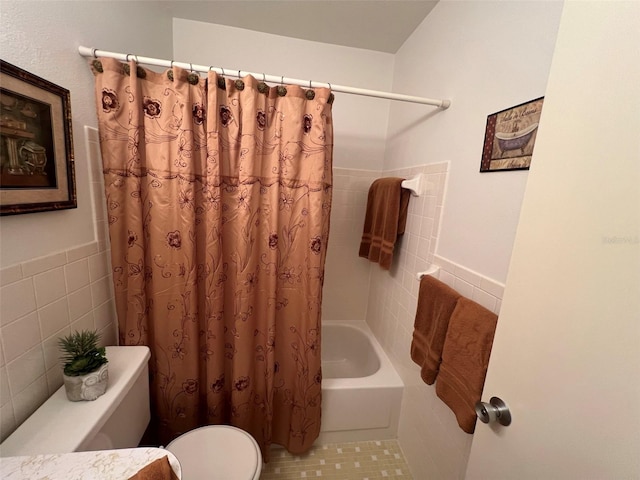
(510, 136)
(36, 144)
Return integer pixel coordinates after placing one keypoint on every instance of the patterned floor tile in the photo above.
(340, 461)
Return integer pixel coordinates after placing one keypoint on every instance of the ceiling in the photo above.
(381, 25)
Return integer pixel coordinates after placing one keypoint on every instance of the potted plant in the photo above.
(85, 366)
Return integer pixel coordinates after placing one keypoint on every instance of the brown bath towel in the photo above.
(465, 358)
(436, 302)
(384, 220)
(159, 469)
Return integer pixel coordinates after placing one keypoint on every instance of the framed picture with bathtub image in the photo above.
(36, 145)
(510, 136)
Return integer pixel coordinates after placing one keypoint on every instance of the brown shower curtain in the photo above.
(218, 196)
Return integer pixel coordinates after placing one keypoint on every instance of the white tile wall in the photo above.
(46, 298)
(346, 285)
(434, 445)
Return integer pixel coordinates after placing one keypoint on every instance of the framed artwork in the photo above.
(510, 136)
(36, 144)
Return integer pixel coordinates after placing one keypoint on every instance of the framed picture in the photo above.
(36, 144)
(510, 136)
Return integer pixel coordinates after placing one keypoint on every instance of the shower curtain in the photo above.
(218, 198)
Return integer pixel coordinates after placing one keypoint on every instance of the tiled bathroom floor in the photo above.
(340, 461)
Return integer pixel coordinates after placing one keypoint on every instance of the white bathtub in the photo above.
(361, 391)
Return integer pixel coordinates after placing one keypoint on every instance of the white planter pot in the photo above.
(87, 387)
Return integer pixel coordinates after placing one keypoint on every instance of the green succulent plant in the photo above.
(81, 354)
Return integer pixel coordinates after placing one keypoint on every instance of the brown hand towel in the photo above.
(159, 469)
(465, 358)
(384, 220)
(436, 302)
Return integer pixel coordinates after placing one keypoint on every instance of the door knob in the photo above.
(496, 409)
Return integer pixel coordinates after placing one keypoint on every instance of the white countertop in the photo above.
(99, 465)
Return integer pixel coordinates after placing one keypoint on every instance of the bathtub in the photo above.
(361, 391)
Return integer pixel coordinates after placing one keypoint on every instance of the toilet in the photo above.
(217, 451)
(119, 418)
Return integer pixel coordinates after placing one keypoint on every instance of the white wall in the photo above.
(485, 57)
(360, 123)
(42, 38)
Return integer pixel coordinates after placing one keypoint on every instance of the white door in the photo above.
(566, 356)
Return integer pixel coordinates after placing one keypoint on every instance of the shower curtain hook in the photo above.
(222, 71)
(191, 67)
(239, 76)
(263, 78)
(310, 84)
(93, 52)
(282, 80)
(129, 55)
(136, 57)
(329, 86)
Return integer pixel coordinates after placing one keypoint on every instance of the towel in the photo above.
(465, 358)
(159, 469)
(384, 220)
(436, 302)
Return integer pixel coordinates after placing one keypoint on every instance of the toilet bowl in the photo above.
(217, 451)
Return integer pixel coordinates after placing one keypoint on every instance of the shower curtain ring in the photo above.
(282, 80)
(264, 78)
(191, 67)
(93, 52)
(239, 76)
(310, 84)
(129, 55)
(222, 71)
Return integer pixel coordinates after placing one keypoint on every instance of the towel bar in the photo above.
(418, 185)
(432, 270)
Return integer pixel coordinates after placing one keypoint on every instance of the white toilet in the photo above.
(119, 418)
(217, 451)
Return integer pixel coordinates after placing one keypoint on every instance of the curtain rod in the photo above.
(94, 52)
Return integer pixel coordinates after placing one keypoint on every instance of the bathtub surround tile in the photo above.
(54, 379)
(352, 461)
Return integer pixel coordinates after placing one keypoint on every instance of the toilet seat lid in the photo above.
(223, 451)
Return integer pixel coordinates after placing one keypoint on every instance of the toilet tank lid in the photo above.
(61, 426)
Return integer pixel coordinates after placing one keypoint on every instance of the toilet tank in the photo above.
(117, 419)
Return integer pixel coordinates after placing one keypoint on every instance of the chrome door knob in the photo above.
(496, 409)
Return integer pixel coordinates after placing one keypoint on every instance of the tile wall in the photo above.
(48, 297)
(346, 286)
(434, 445)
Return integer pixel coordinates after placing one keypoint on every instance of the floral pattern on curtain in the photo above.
(218, 197)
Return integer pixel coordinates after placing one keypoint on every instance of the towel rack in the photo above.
(418, 185)
(432, 270)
